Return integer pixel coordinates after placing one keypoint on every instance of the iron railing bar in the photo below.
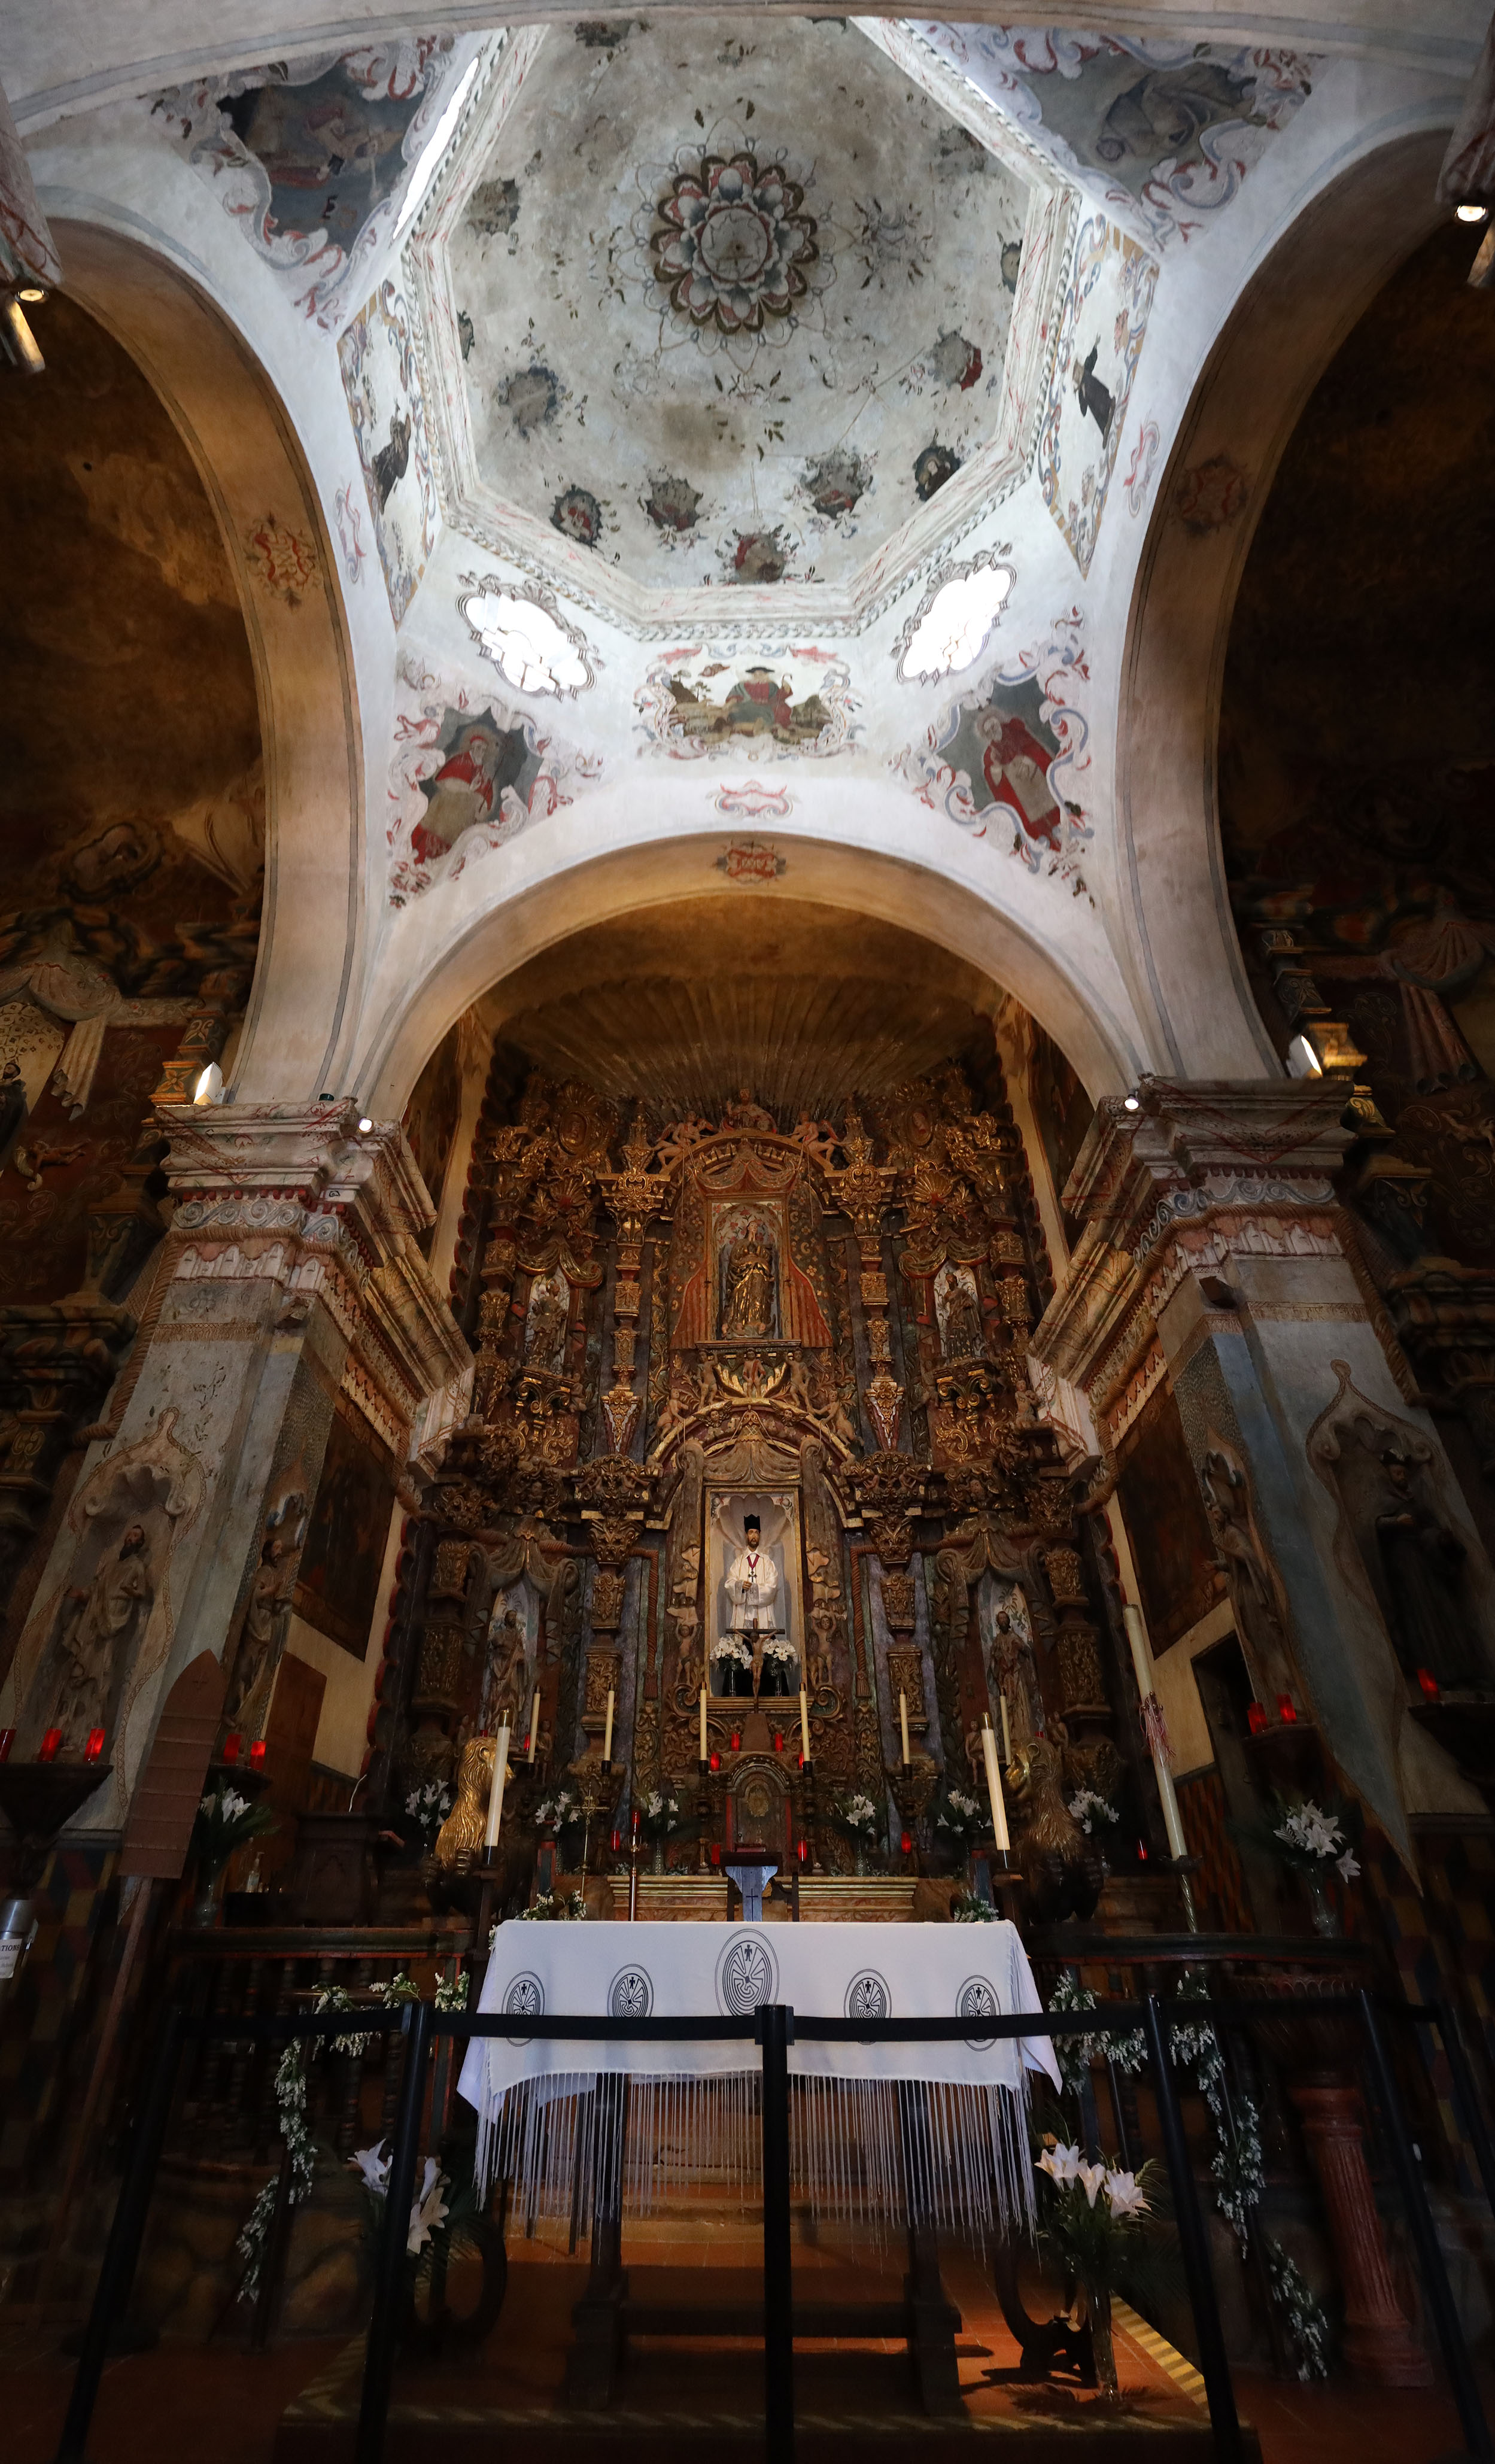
(383, 2327)
(1194, 2244)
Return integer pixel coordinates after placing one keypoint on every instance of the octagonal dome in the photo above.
(724, 327)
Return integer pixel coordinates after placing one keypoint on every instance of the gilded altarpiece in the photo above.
(751, 1413)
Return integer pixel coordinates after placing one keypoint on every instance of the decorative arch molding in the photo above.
(408, 1014)
(1188, 974)
(245, 447)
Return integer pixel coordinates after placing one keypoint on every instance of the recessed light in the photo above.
(1131, 1104)
(364, 1126)
(1465, 214)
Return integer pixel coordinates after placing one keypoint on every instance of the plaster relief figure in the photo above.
(958, 1310)
(1425, 1561)
(98, 1637)
(1257, 1597)
(267, 1616)
(545, 1323)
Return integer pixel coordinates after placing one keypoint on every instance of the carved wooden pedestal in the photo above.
(1378, 2339)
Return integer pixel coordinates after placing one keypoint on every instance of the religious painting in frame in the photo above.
(337, 1588)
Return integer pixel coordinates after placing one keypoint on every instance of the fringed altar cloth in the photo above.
(863, 2147)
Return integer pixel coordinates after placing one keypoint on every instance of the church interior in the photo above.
(747, 1181)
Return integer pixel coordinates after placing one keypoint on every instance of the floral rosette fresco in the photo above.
(732, 247)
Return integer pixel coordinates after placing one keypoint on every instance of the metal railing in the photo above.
(773, 2026)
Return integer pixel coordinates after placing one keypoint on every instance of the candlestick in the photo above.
(1006, 1733)
(496, 1792)
(804, 1723)
(999, 1831)
(534, 1725)
(1155, 1728)
(704, 1746)
(903, 1726)
(607, 1738)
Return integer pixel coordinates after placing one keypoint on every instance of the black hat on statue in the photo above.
(750, 1523)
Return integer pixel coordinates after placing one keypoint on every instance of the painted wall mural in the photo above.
(1009, 759)
(721, 361)
(791, 699)
(310, 158)
(467, 776)
(387, 409)
(1170, 127)
(1106, 308)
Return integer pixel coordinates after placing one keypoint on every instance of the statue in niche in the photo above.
(1431, 1625)
(1257, 1597)
(268, 1614)
(106, 1622)
(1017, 1680)
(545, 1323)
(507, 1686)
(957, 1308)
(750, 1281)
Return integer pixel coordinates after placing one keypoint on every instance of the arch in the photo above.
(406, 1016)
(1288, 324)
(245, 447)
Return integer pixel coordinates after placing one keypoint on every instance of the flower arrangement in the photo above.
(781, 1650)
(225, 1820)
(1309, 1838)
(548, 1907)
(969, 1908)
(659, 1815)
(857, 1817)
(732, 1647)
(560, 1811)
(428, 2209)
(1092, 1813)
(1094, 2233)
(961, 1815)
(428, 1809)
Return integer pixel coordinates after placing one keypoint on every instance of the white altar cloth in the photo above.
(693, 2105)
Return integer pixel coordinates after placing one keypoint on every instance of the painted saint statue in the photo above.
(748, 1299)
(752, 1617)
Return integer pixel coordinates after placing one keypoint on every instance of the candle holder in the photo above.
(913, 1784)
(808, 1811)
(1002, 1875)
(703, 1817)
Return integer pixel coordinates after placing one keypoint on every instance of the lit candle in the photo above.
(93, 1751)
(903, 1725)
(804, 1723)
(47, 1750)
(1154, 1730)
(1006, 1733)
(994, 1788)
(533, 1724)
(704, 1746)
(607, 1734)
(496, 1792)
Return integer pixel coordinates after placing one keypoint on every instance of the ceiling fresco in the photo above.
(706, 315)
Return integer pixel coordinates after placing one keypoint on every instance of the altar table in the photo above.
(872, 2123)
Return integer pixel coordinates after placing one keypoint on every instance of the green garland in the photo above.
(1074, 2055)
(1304, 2319)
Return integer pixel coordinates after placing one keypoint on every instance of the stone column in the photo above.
(291, 1272)
(1214, 1251)
(1378, 2343)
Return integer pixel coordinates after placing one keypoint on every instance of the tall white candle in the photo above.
(496, 1792)
(1147, 1687)
(607, 1738)
(994, 1788)
(533, 1724)
(804, 1723)
(704, 1746)
(903, 1725)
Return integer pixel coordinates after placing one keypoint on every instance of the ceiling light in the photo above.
(1465, 214)
(32, 297)
(1303, 1062)
(208, 1089)
(364, 1126)
(951, 633)
(531, 645)
(434, 147)
(1132, 1104)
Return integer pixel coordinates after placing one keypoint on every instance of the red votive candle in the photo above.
(635, 1822)
(1256, 1718)
(906, 1844)
(257, 1755)
(715, 1762)
(716, 1851)
(6, 1741)
(230, 1747)
(93, 1751)
(47, 1750)
(804, 1851)
(1429, 1684)
(736, 1741)
(1142, 1851)
(1286, 1709)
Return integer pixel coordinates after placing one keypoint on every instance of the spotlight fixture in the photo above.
(364, 1126)
(1131, 1104)
(32, 297)
(1465, 214)
(17, 343)
(1303, 1062)
(208, 1089)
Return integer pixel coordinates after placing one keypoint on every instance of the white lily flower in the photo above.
(1092, 2177)
(374, 2166)
(428, 2208)
(1124, 2197)
(1062, 2165)
(1348, 1865)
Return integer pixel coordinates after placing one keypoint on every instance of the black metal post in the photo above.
(117, 2275)
(384, 2324)
(1467, 2097)
(1194, 2244)
(776, 2025)
(1462, 2381)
